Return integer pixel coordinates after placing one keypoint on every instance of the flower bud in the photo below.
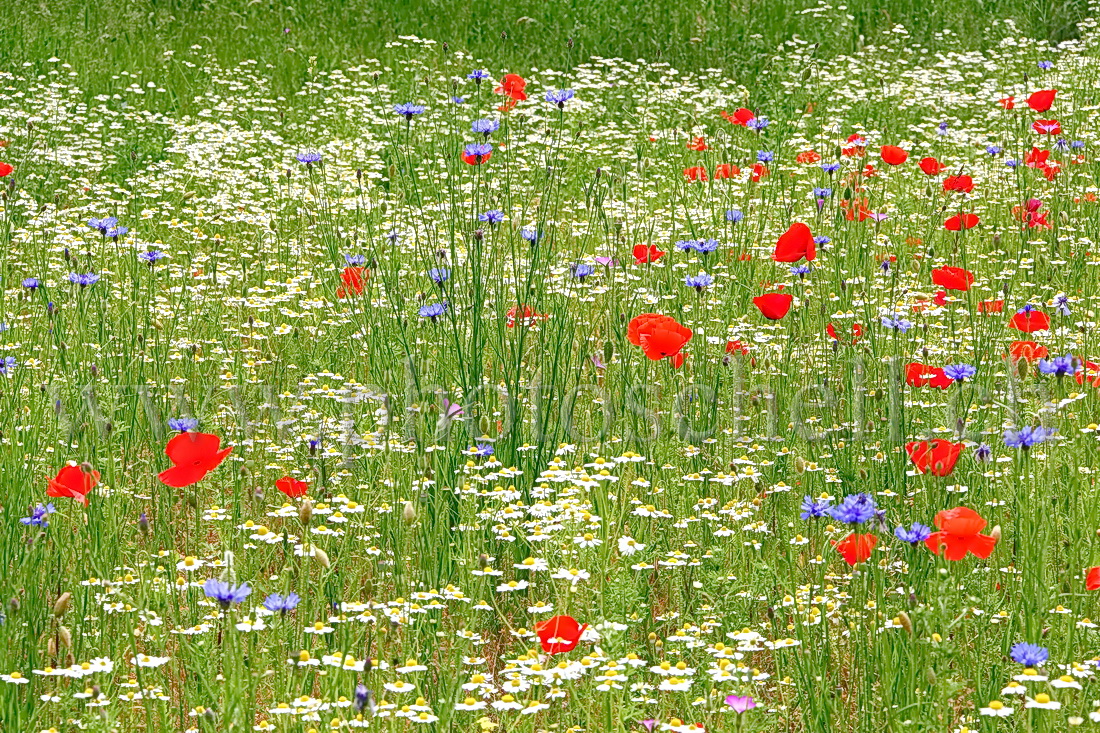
(62, 604)
(408, 512)
(306, 512)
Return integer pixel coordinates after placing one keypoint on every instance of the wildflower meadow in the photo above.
(434, 386)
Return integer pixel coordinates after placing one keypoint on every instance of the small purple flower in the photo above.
(151, 257)
(1027, 436)
(1045, 65)
(758, 123)
(479, 75)
(483, 449)
(7, 365)
(1012, 163)
(1061, 304)
(993, 149)
(355, 260)
(282, 604)
(1029, 655)
(898, 324)
(734, 215)
(959, 372)
(433, 310)
(409, 110)
(485, 127)
(559, 97)
(801, 270)
(531, 235)
(477, 151)
(983, 453)
(83, 279)
(916, 533)
(439, 275)
(183, 424)
(1059, 366)
(699, 282)
(830, 167)
(814, 508)
(822, 193)
(40, 516)
(765, 156)
(493, 216)
(582, 270)
(226, 594)
(102, 225)
(854, 509)
(309, 157)
(31, 283)
(822, 240)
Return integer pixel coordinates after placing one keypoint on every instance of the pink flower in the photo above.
(740, 704)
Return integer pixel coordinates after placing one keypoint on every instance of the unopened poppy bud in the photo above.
(906, 622)
(143, 524)
(863, 474)
(482, 561)
(209, 714)
(483, 425)
(799, 465)
(62, 604)
(995, 533)
(608, 352)
(65, 637)
(931, 675)
(306, 512)
(258, 494)
(408, 512)
(51, 647)
(322, 557)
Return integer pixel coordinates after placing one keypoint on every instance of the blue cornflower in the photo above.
(362, 698)
(224, 593)
(916, 533)
(822, 240)
(1029, 655)
(433, 310)
(479, 75)
(822, 193)
(1061, 304)
(1077, 144)
(439, 275)
(1059, 366)
(993, 149)
(483, 449)
(1060, 144)
(1012, 163)
(765, 156)
(559, 97)
(758, 123)
(485, 127)
(582, 270)
(700, 281)
(942, 129)
(814, 508)
(458, 100)
(899, 324)
(702, 246)
(409, 110)
(477, 151)
(102, 225)
(830, 167)
(959, 372)
(116, 232)
(801, 270)
(983, 453)
(183, 424)
(1028, 436)
(854, 509)
(39, 516)
(355, 260)
(493, 216)
(309, 157)
(281, 604)
(531, 235)
(83, 279)
(1045, 65)
(151, 256)
(734, 215)
(31, 283)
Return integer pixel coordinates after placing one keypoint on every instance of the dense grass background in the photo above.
(102, 37)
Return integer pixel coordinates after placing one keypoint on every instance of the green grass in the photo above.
(413, 540)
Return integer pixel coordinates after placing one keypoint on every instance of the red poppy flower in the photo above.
(807, 156)
(1090, 371)
(991, 306)
(1092, 579)
(644, 254)
(958, 183)
(856, 548)
(922, 375)
(659, 336)
(1036, 158)
(677, 360)
(526, 315)
(73, 482)
(736, 347)
(856, 146)
(292, 487)
(193, 455)
(476, 159)
(893, 155)
(1028, 350)
(1047, 127)
(931, 166)
(353, 279)
(797, 242)
(696, 173)
(953, 278)
(937, 457)
(513, 85)
(740, 117)
(559, 634)
(1007, 102)
(959, 222)
(959, 535)
(1042, 100)
(759, 170)
(774, 306)
(697, 143)
(5, 170)
(857, 332)
(1030, 321)
(725, 170)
